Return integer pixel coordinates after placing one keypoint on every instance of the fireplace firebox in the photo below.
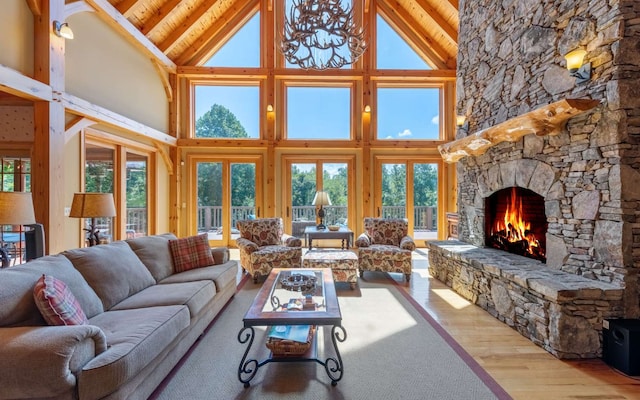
(515, 222)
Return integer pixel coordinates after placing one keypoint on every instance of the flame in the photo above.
(513, 227)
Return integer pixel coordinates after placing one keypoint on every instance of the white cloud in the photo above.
(405, 132)
(435, 120)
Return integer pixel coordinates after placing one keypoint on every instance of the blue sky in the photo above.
(402, 113)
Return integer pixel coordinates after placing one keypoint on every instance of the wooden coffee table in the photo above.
(267, 310)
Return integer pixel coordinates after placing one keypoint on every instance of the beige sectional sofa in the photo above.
(143, 318)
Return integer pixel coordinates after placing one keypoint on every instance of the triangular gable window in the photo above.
(242, 50)
(393, 52)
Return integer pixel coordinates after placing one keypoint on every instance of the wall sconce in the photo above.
(62, 30)
(270, 108)
(460, 120)
(367, 108)
(580, 71)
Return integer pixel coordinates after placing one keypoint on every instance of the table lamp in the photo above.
(92, 205)
(16, 208)
(321, 199)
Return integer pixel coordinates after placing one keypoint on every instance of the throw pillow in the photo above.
(191, 252)
(56, 303)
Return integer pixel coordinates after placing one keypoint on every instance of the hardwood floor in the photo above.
(524, 370)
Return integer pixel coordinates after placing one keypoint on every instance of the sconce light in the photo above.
(460, 120)
(367, 108)
(62, 30)
(270, 108)
(580, 71)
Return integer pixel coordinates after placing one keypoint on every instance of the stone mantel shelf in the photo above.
(546, 120)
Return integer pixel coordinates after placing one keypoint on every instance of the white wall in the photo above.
(16, 44)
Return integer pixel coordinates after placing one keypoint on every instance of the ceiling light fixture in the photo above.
(321, 34)
(62, 30)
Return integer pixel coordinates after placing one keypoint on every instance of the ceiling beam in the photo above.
(454, 3)
(125, 7)
(159, 16)
(417, 38)
(12, 81)
(78, 106)
(120, 24)
(170, 41)
(215, 37)
(435, 16)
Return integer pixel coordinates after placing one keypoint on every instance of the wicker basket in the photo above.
(284, 348)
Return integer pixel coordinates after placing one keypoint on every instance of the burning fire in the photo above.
(513, 232)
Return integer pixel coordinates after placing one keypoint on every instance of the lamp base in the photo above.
(321, 227)
(5, 257)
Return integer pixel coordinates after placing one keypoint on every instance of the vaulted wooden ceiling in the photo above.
(186, 31)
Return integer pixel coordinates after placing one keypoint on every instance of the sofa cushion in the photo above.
(56, 303)
(16, 296)
(195, 295)
(135, 337)
(222, 275)
(113, 271)
(154, 253)
(191, 252)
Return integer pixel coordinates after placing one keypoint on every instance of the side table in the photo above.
(344, 233)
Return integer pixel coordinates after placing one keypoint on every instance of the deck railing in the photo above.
(210, 217)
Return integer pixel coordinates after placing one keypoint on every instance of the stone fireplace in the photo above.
(587, 173)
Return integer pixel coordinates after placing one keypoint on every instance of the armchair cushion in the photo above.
(386, 230)
(407, 243)
(262, 232)
(363, 241)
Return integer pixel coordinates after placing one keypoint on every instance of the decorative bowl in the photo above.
(333, 227)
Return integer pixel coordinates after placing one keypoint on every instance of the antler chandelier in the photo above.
(321, 34)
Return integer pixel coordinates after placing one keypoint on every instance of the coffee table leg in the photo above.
(334, 366)
(247, 368)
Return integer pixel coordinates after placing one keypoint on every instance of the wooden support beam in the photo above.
(435, 16)
(164, 77)
(120, 24)
(82, 107)
(546, 120)
(76, 7)
(125, 7)
(12, 81)
(75, 126)
(35, 6)
(165, 157)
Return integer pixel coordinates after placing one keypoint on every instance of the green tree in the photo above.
(219, 122)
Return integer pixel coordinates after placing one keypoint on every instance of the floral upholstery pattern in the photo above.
(385, 246)
(263, 245)
(343, 264)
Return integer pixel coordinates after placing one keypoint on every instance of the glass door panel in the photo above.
(394, 191)
(243, 194)
(209, 200)
(335, 183)
(136, 196)
(303, 189)
(425, 201)
(99, 177)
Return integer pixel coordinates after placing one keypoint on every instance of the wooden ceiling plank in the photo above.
(125, 7)
(431, 48)
(120, 24)
(214, 37)
(454, 4)
(78, 106)
(159, 16)
(14, 82)
(170, 41)
(35, 6)
(448, 30)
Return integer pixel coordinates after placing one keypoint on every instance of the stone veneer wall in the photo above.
(510, 61)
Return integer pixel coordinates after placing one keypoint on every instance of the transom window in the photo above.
(319, 113)
(408, 113)
(227, 111)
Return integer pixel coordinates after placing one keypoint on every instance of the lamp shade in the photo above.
(16, 208)
(321, 199)
(92, 205)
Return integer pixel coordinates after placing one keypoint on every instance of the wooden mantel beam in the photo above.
(546, 120)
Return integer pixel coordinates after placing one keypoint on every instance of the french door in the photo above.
(304, 176)
(226, 190)
(409, 189)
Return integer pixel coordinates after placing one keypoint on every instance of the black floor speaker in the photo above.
(621, 345)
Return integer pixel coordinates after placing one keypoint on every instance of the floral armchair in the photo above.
(385, 246)
(264, 245)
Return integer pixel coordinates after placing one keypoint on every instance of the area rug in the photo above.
(393, 350)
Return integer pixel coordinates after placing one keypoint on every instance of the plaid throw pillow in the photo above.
(191, 252)
(56, 303)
